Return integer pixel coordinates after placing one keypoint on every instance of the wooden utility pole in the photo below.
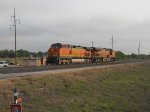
(92, 43)
(14, 16)
(112, 42)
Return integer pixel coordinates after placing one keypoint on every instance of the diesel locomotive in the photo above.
(60, 53)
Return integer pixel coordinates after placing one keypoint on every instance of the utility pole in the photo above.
(112, 42)
(139, 48)
(92, 43)
(14, 16)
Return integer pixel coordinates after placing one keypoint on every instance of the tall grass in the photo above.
(119, 89)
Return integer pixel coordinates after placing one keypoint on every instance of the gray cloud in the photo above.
(76, 22)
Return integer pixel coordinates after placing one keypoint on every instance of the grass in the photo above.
(119, 89)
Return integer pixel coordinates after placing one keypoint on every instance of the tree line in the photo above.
(120, 55)
(24, 53)
(20, 53)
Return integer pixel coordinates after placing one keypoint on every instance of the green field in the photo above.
(119, 89)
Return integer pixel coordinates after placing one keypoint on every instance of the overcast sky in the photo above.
(78, 22)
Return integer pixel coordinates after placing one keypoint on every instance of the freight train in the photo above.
(60, 53)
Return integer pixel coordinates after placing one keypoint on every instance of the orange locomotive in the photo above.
(64, 54)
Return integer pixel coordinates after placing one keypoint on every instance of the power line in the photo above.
(56, 33)
(6, 19)
(3, 22)
(43, 30)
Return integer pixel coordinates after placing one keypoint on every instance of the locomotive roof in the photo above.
(68, 45)
(87, 48)
(94, 48)
(75, 46)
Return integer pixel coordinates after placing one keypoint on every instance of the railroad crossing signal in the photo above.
(16, 107)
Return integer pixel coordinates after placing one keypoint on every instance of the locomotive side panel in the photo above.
(103, 54)
(65, 52)
(78, 53)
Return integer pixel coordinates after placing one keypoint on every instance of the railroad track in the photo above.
(13, 72)
(10, 70)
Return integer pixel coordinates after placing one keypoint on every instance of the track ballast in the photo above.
(10, 70)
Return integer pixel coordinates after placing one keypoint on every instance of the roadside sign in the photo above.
(15, 108)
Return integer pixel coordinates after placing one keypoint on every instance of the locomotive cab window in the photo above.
(56, 46)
